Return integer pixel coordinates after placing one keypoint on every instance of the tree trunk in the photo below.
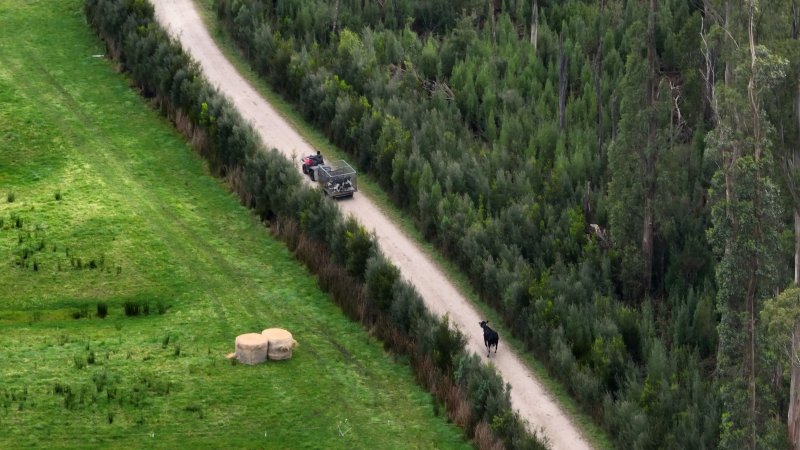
(709, 106)
(494, 24)
(751, 88)
(793, 165)
(562, 85)
(752, 294)
(598, 68)
(732, 155)
(335, 15)
(651, 153)
(613, 103)
(651, 39)
(796, 246)
(728, 68)
(647, 244)
(535, 24)
(751, 306)
(794, 391)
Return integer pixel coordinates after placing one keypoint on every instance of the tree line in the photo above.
(362, 281)
(617, 178)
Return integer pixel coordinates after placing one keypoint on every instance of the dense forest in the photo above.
(618, 179)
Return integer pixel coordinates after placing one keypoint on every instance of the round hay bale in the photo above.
(281, 343)
(251, 348)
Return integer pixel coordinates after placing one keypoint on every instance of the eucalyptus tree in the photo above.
(746, 219)
(635, 155)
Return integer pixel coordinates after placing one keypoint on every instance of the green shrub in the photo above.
(587, 388)
(132, 308)
(102, 310)
(447, 344)
(10, 197)
(195, 408)
(360, 247)
(381, 277)
(81, 313)
(486, 391)
(407, 307)
(100, 380)
(69, 398)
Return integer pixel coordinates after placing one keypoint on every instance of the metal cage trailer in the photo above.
(337, 179)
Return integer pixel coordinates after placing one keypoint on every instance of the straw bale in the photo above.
(251, 348)
(281, 343)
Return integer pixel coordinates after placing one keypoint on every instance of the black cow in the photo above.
(490, 338)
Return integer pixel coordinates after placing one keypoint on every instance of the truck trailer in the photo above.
(337, 179)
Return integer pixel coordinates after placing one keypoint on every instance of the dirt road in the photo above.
(527, 394)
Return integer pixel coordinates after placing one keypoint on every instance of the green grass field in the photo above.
(102, 202)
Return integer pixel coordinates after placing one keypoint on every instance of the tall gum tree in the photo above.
(780, 319)
(634, 155)
(746, 218)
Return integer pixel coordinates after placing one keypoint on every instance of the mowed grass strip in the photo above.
(104, 208)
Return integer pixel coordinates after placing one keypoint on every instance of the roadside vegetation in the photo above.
(127, 271)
